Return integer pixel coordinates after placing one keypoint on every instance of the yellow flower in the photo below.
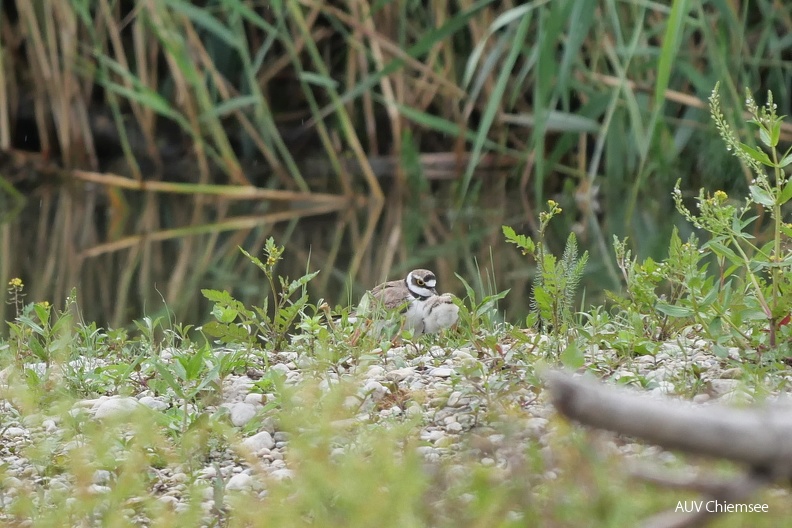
(16, 282)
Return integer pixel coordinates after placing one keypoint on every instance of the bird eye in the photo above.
(419, 282)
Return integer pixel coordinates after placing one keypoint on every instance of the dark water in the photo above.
(132, 254)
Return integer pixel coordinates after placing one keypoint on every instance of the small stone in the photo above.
(445, 441)
(259, 441)
(664, 388)
(424, 450)
(12, 483)
(101, 476)
(732, 373)
(701, 398)
(496, 439)
(282, 474)
(454, 398)
(280, 367)
(375, 390)
(168, 500)
(375, 371)
(95, 489)
(239, 482)
(454, 427)
(435, 435)
(417, 385)
(537, 426)
(59, 485)
(400, 374)
(254, 398)
(351, 403)
(115, 407)
(441, 372)
(241, 413)
(721, 387)
(153, 403)
(49, 425)
(208, 472)
(15, 431)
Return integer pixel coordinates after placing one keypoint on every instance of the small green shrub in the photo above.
(556, 280)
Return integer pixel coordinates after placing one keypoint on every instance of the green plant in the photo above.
(730, 241)
(478, 320)
(556, 280)
(748, 301)
(234, 322)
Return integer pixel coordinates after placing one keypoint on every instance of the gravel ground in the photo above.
(461, 405)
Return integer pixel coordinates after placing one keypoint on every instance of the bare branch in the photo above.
(758, 437)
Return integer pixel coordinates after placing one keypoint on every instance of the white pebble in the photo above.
(254, 398)
(241, 413)
(49, 425)
(240, 481)
(101, 476)
(259, 441)
(15, 431)
(115, 407)
(153, 403)
(282, 474)
(375, 390)
(454, 427)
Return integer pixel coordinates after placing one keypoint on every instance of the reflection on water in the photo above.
(131, 255)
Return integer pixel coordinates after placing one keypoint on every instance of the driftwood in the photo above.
(759, 438)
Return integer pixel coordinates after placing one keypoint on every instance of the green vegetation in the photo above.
(353, 458)
(299, 103)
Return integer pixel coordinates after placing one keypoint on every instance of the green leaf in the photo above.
(227, 333)
(672, 310)
(765, 136)
(572, 357)
(203, 17)
(230, 106)
(166, 375)
(224, 314)
(722, 250)
(674, 31)
(543, 300)
(255, 260)
(299, 283)
(217, 296)
(38, 349)
(759, 155)
(761, 196)
(318, 80)
(521, 241)
(493, 104)
(786, 160)
(710, 297)
(786, 193)
(775, 132)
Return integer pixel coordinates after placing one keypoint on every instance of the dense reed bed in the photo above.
(580, 91)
